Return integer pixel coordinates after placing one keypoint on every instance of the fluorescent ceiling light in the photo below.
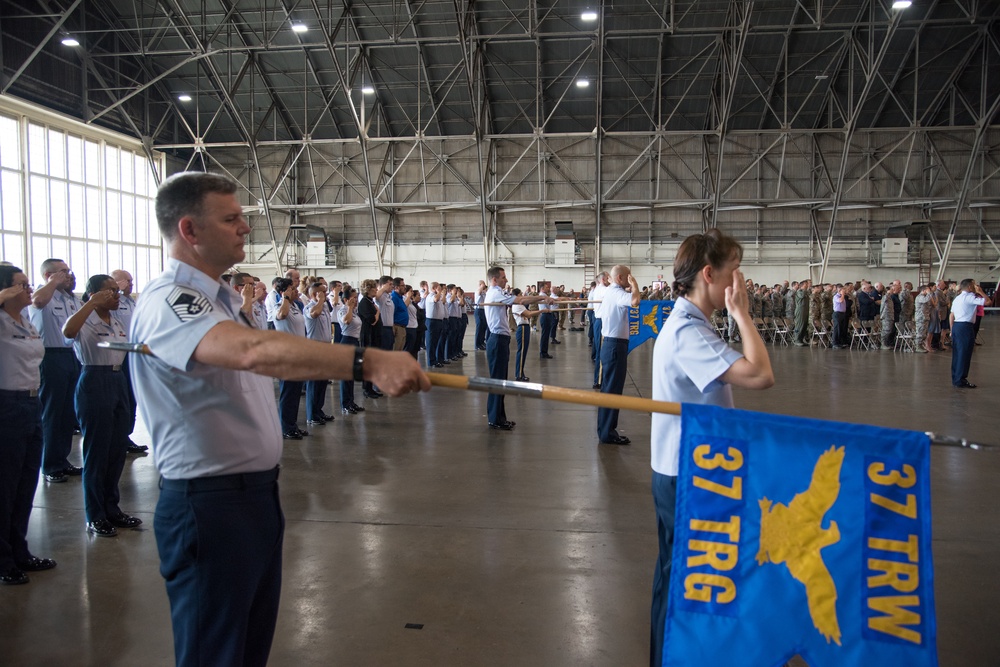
(849, 207)
(367, 90)
(300, 27)
(741, 207)
(901, 4)
(184, 98)
(589, 16)
(70, 41)
(822, 77)
(582, 83)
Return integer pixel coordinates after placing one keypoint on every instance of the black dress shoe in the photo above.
(617, 440)
(125, 521)
(56, 477)
(372, 394)
(101, 528)
(34, 564)
(438, 365)
(73, 471)
(348, 411)
(510, 423)
(357, 408)
(133, 448)
(557, 342)
(327, 417)
(965, 384)
(502, 426)
(597, 385)
(300, 432)
(13, 577)
(315, 422)
(291, 435)
(545, 356)
(444, 362)
(463, 354)
(523, 378)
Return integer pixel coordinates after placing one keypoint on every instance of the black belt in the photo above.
(58, 349)
(221, 482)
(19, 393)
(97, 367)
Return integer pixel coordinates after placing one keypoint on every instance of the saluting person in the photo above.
(614, 348)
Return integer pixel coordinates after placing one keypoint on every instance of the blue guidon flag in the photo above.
(800, 536)
(646, 321)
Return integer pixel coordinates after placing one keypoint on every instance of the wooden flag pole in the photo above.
(567, 395)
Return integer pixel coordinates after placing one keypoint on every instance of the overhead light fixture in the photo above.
(822, 77)
(70, 41)
(184, 97)
(582, 83)
(902, 4)
(588, 16)
(367, 90)
(300, 27)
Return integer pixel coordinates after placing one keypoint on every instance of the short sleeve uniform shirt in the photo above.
(204, 420)
(689, 356)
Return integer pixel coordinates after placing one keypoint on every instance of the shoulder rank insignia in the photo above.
(188, 304)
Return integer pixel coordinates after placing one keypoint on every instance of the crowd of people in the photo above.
(215, 340)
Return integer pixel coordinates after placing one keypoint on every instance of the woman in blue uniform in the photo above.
(692, 364)
(102, 405)
(350, 327)
(21, 352)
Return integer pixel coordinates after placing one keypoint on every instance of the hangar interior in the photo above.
(836, 139)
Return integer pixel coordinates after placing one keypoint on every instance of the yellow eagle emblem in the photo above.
(650, 320)
(794, 535)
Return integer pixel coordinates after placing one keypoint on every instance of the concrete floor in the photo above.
(534, 547)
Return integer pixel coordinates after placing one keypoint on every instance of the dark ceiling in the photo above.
(491, 67)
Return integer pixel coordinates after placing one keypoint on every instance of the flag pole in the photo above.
(577, 396)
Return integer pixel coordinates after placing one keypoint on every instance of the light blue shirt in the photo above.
(49, 320)
(94, 331)
(294, 323)
(614, 312)
(963, 306)
(126, 309)
(319, 328)
(434, 309)
(597, 294)
(496, 316)
(689, 356)
(541, 304)
(204, 420)
(21, 352)
(350, 329)
(386, 309)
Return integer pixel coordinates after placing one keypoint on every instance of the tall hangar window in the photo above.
(78, 193)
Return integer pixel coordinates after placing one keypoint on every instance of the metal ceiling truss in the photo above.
(789, 120)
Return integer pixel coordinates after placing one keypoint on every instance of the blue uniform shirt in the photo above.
(21, 352)
(294, 323)
(614, 312)
(204, 420)
(49, 320)
(350, 329)
(319, 328)
(688, 358)
(496, 316)
(400, 315)
(126, 309)
(963, 306)
(95, 331)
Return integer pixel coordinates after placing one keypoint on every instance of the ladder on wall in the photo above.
(924, 267)
(588, 275)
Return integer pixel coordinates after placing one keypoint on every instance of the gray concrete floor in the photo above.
(534, 547)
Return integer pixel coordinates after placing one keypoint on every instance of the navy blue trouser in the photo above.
(498, 358)
(523, 336)
(411, 341)
(20, 459)
(102, 405)
(347, 386)
(432, 340)
(338, 332)
(60, 371)
(131, 395)
(315, 398)
(481, 328)
(546, 322)
(664, 499)
(289, 396)
(388, 338)
(451, 340)
(463, 326)
(220, 540)
(963, 341)
(595, 351)
(614, 369)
